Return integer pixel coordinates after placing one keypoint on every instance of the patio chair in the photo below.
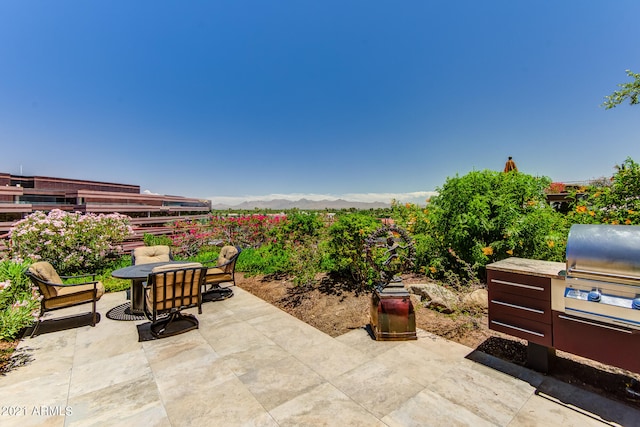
(169, 290)
(57, 295)
(222, 272)
(149, 254)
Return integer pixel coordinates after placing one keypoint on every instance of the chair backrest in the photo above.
(41, 272)
(150, 254)
(175, 286)
(227, 254)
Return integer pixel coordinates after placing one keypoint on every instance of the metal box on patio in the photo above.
(392, 315)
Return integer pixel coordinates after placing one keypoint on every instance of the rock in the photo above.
(478, 298)
(416, 300)
(435, 297)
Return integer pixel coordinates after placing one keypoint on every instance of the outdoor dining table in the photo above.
(138, 275)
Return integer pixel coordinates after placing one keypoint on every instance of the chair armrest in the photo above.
(214, 262)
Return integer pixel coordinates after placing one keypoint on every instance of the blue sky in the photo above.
(234, 100)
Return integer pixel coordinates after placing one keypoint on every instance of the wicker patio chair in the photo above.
(169, 290)
(57, 295)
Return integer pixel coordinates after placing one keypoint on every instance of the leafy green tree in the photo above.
(629, 90)
(486, 216)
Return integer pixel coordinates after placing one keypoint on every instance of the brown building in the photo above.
(22, 195)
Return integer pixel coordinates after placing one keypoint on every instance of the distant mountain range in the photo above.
(283, 204)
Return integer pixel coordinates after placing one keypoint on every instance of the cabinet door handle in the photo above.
(586, 322)
(520, 285)
(517, 328)
(519, 307)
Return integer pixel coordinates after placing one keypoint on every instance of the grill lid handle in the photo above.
(573, 270)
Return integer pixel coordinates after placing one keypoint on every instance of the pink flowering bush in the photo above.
(71, 242)
(19, 300)
(190, 237)
(248, 231)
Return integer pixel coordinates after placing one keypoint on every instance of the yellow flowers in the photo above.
(488, 250)
(627, 221)
(551, 243)
(432, 269)
(581, 209)
(510, 251)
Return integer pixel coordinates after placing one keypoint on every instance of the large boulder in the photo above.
(435, 297)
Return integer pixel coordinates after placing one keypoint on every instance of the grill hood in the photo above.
(604, 252)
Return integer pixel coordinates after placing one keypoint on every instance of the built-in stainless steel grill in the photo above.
(603, 274)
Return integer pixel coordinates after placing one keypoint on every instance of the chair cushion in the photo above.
(216, 275)
(149, 254)
(226, 253)
(70, 295)
(175, 266)
(45, 271)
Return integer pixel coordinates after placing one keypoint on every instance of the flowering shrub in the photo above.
(71, 242)
(190, 240)
(556, 187)
(617, 202)
(19, 300)
(246, 230)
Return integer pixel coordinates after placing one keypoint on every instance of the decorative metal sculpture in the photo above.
(390, 251)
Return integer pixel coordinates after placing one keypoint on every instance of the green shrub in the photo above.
(267, 259)
(305, 261)
(297, 237)
(113, 284)
(153, 240)
(486, 216)
(19, 300)
(346, 247)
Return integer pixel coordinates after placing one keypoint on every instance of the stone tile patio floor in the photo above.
(252, 364)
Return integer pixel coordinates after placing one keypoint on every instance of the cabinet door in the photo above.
(530, 330)
(609, 344)
(504, 304)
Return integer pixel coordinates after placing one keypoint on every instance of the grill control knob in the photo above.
(595, 295)
(636, 303)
